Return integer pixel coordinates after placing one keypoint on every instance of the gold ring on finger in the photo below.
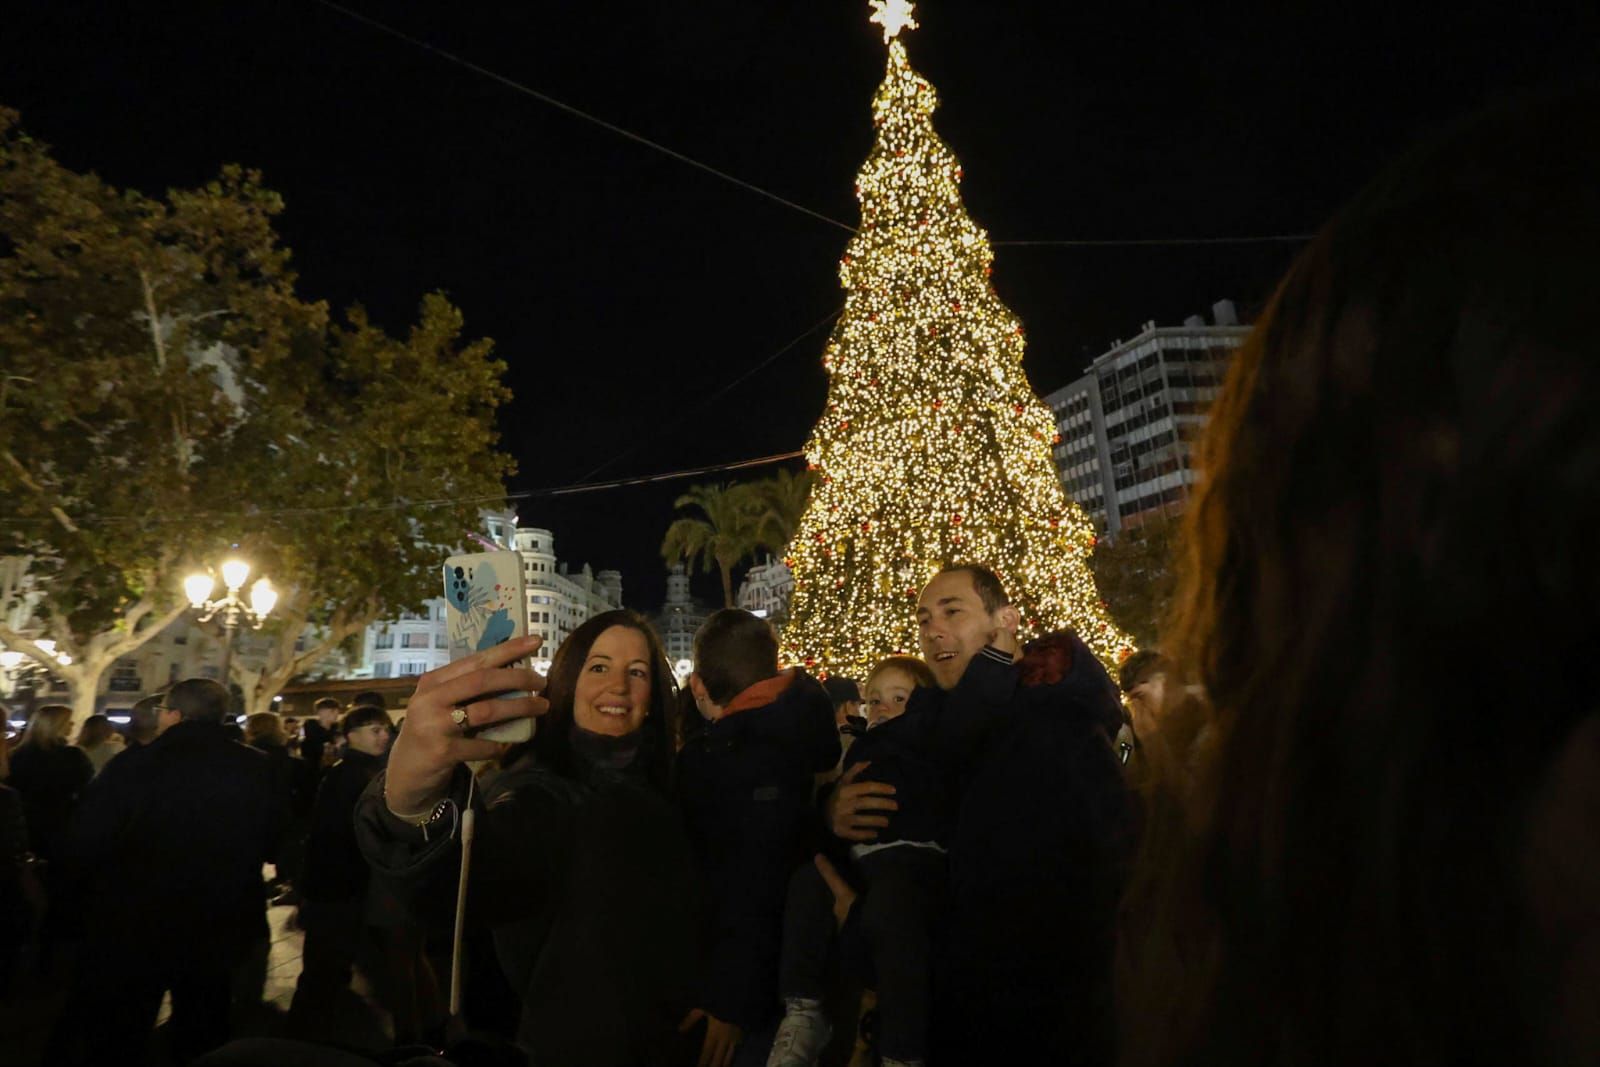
(459, 717)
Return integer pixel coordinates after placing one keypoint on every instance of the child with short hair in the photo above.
(903, 870)
(745, 781)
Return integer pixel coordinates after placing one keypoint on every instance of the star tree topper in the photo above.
(893, 16)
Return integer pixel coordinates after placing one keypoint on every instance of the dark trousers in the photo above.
(894, 922)
(334, 939)
(123, 999)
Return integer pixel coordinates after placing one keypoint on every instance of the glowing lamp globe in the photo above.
(262, 598)
(234, 573)
(197, 587)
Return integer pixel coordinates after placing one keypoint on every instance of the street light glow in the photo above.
(197, 587)
(234, 573)
(262, 598)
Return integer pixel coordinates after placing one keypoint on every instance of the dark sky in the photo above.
(624, 287)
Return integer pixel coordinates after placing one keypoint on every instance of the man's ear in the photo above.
(1009, 618)
(697, 687)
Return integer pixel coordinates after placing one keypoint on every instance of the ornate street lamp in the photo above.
(235, 572)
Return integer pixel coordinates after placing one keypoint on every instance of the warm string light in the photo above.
(933, 447)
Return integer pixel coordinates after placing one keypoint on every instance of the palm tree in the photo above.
(783, 501)
(725, 533)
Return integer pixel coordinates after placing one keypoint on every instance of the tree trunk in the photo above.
(727, 584)
(83, 680)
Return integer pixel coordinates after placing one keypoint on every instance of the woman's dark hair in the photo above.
(551, 744)
(1387, 574)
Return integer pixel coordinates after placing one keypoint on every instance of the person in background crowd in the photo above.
(21, 899)
(175, 836)
(333, 887)
(51, 776)
(99, 741)
(263, 731)
(846, 696)
(1386, 596)
(371, 698)
(142, 722)
(745, 781)
(1040, 838)
(318, 732)
(291, 734)
(1143, 679)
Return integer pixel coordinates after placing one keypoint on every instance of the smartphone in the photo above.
(486, 604)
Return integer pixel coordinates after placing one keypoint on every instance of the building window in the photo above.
(411, 669)
(383, 640)
(381, 670)
(441, 641)
(413, 640)
(124, 678)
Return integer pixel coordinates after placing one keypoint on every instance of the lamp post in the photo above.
(235, 572)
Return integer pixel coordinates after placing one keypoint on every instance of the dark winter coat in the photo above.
(745, 782)
(51, 779)
(175, 834)
(335, 869)
(1037, 854)
(589, 889)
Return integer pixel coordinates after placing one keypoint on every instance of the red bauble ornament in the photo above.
(955, 305)
(937, 404)
(955, 519)
(1056, 440)
(1018, 409)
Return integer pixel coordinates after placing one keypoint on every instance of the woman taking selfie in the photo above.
(579, 866)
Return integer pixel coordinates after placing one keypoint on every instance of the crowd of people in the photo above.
(1348, 813)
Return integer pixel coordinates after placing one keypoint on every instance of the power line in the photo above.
(685, 412)
(412, 505)
(512, 83)
(1285, 238)
(579, 113)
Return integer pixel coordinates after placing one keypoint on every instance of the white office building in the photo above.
(766, 589)
(1128, 424)
(559, 602)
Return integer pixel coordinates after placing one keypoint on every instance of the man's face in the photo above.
(1144, 701)
(952, 625)
(166, 719)
(373, 739)
(328, 716)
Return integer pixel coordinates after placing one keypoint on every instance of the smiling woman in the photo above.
(581, 870)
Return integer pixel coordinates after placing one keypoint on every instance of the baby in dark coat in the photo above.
(904, 871)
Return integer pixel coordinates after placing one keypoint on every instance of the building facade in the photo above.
(679, 618)
(1128, 425)
(558, 603)
(765, 591)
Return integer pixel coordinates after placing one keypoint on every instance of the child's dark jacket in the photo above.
(745, 783)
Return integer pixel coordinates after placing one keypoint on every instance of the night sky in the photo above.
(624, 287)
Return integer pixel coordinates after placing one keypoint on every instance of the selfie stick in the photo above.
(468, 821)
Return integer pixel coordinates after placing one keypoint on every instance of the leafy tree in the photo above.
(164, 395)
(782, 502)
(402, 425)
(149, 362)
(725, 533)
(1135, 576)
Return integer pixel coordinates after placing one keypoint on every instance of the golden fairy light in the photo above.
(893, 16)
(933, 447)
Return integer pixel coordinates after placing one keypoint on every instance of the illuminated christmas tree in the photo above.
(933, 448)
